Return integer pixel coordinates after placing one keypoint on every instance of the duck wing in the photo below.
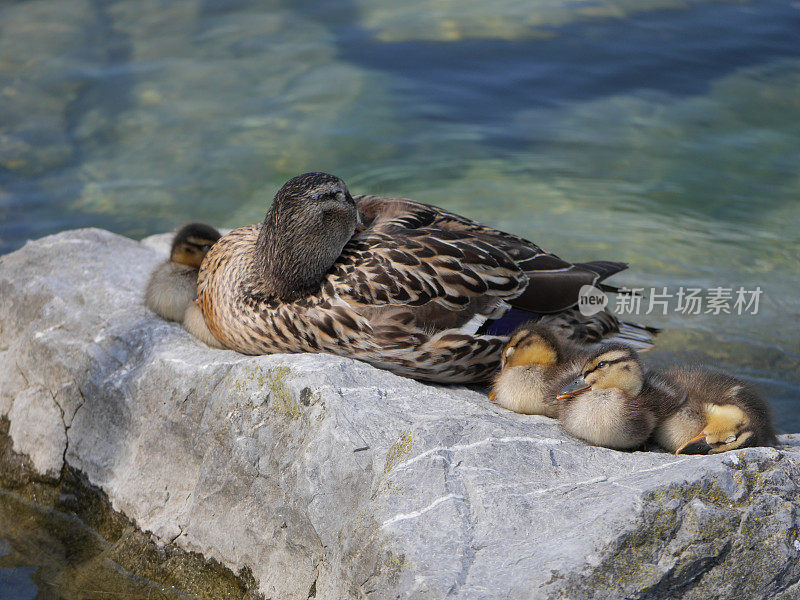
(553, 284)
(404, 257)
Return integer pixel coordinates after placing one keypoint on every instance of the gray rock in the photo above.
(324, 474)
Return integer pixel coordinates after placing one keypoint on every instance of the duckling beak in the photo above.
(696, 445)
(577, 387)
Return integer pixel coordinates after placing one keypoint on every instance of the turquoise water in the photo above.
(663, 133)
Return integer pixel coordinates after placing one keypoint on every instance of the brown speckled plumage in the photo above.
(406, 293)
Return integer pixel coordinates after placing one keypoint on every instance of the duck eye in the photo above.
(205, 247)
(325, 196)
(602, 364)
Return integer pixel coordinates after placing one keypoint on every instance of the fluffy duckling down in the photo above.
(535, 363)
(697, 410)
(720, 413)
(615, 403)
(173, 285)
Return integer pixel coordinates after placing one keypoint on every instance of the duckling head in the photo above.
(191, 244)
(612, 366)
(311, 219)
(727, 428)
(531, 344)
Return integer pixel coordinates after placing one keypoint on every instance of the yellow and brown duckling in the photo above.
(720, 413)
(686, 410)
(173, 285)
(399, 284)
(615, 403)
(534, 365)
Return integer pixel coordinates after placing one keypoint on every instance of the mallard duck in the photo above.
(534, 365)
(173, 285)
(615, 403)
(720, 413)
(402, 285)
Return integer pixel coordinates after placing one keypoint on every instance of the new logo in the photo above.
(591, 300)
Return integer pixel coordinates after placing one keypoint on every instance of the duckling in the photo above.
(194, 323)
(173, 285)
(615, 403)
(534, 365)
(721, 413)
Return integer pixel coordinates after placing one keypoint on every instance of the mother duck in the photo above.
(402, 285)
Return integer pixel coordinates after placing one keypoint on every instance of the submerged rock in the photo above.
(328, 478)
(62, 540)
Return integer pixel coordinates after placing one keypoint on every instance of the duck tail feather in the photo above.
(613, 289)
(640, 337)
(603, 268)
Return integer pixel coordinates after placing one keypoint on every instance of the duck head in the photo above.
(191, 244)
(612, 366)
(311, 219)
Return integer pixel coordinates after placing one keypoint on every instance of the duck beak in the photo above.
(577, 387)
(696, 445)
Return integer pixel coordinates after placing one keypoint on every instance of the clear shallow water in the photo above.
(49, 554)
(663, 133)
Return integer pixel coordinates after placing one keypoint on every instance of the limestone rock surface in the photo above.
(329, 478)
